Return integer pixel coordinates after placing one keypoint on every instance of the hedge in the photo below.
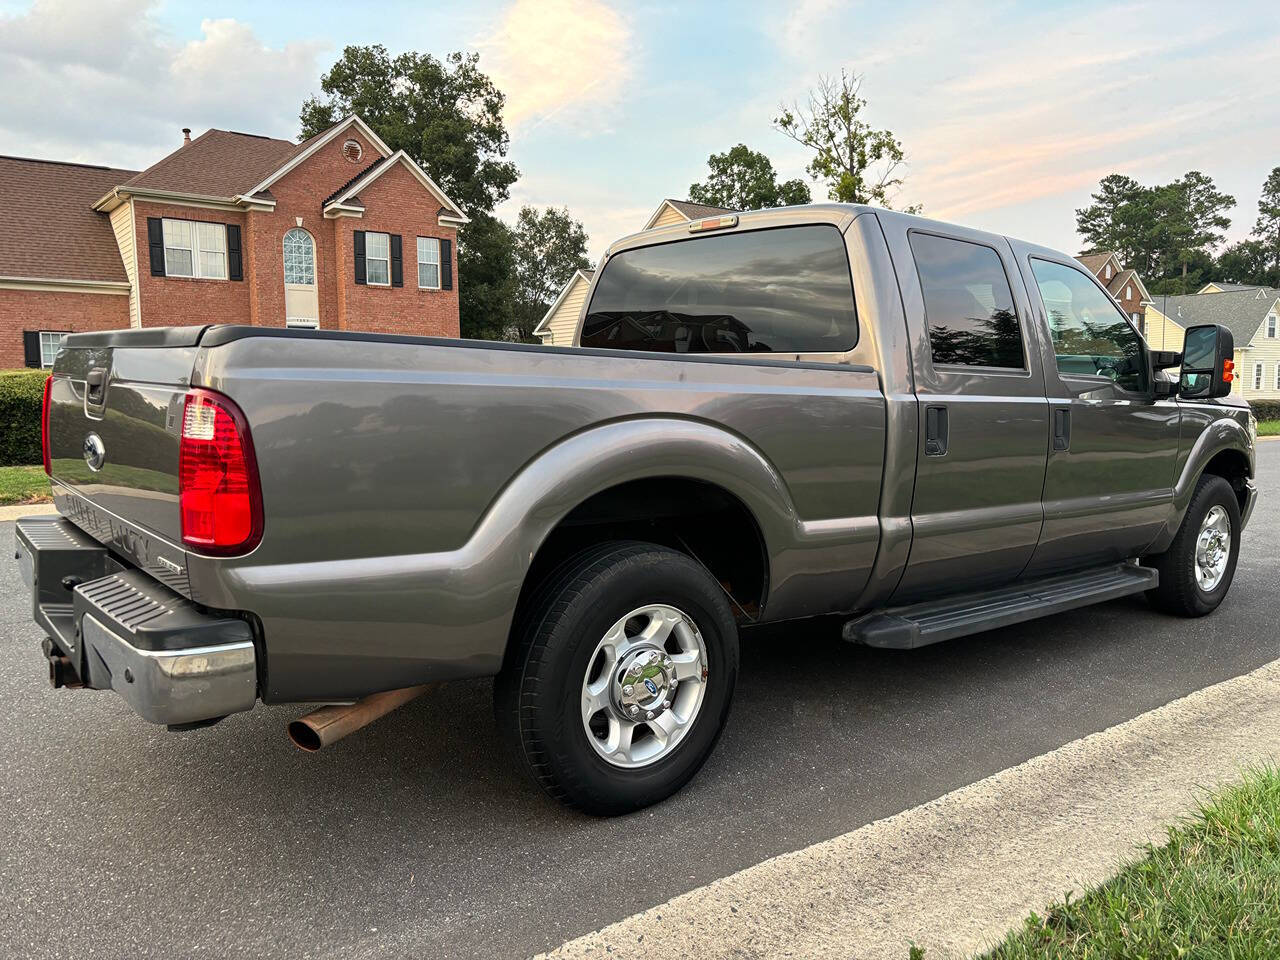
(1266, 409)
(21, 396)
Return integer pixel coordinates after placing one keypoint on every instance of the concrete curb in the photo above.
(26, 510)
(953, 875)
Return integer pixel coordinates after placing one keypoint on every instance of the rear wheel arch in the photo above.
(696, 517)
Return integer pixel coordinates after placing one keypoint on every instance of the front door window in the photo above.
(301, 304)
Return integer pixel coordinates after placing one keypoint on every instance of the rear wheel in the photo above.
(1197, 569)
(622, 679)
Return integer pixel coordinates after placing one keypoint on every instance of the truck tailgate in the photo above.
(115, 418)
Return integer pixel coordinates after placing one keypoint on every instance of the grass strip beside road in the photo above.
(24, 485)
(1269, 428)
(1212, 890)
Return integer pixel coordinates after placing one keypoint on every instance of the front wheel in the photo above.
(622, 679)
(1197, 569)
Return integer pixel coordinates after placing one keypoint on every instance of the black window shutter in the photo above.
(235, 265)
(446, 265)
(155, 240)
(360, 275)
(397, 265)
(31, 348)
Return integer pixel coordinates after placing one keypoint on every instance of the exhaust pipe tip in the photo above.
(331, 723)
(304, 737)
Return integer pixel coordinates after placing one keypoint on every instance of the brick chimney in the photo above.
(186, 136)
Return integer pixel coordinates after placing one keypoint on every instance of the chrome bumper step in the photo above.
(122, 630)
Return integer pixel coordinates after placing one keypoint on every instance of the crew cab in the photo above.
(925, 429)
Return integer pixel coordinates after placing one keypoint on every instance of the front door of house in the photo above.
(301, 302)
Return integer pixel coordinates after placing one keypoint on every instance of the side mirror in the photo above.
(1208, 362)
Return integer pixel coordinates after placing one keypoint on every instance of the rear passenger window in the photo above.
(785, 290)
(968, 304)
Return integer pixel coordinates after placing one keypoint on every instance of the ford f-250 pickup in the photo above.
(828, 409)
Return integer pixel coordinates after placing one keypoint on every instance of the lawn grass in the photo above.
(1269, 428)
(1212, 891)
(24, 485)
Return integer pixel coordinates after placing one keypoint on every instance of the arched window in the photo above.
(299, 257)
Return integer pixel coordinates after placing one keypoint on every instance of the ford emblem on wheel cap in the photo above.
(651, 686)
(95, 454)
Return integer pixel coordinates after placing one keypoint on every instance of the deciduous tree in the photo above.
(744, 179)
(859, 163)
(549, 245)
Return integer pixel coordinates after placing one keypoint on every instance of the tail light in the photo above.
(44, 427)
(218, 491)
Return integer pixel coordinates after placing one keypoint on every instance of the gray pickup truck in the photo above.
(825, 410)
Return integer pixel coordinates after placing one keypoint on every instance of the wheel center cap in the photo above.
(642, 688)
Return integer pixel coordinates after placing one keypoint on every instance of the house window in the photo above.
(428, 263)
(195, 249)
(377, 258)
(1128, 292)
(1257, 376)
(1271, 325)
(50, 341)
(1108, 276)
(1278, 376)
(299, 257)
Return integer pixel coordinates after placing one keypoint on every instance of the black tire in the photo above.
(537, 697)
(1179, 592)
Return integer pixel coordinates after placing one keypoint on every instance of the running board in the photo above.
(918, 625)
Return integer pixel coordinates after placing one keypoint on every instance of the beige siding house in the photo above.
(1252, 314)
(559, 325)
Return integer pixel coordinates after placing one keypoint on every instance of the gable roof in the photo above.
(44, 198)
(1127, 276)
(583, 275)
(1240, 311)
(686, 209)
(1094, 262)
(348, 197)
(1259, 289)
(218, 163)
(229, 167)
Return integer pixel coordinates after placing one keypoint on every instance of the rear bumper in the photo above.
(123, 631)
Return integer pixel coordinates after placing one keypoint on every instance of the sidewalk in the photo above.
(26, 510)
(955, 874)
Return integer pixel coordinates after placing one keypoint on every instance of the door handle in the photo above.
(96, 382)
(936, 431)
(1061, 429)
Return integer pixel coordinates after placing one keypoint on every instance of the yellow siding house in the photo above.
(1252, 314)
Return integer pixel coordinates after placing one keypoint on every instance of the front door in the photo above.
(976, 511)
(301, 302)
(1112, 451)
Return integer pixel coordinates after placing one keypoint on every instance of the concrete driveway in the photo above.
(419, 837)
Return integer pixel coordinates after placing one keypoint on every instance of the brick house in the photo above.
(338, 232)
(1123, 283)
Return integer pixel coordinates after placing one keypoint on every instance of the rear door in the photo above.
(979, 384)
(1109, 483)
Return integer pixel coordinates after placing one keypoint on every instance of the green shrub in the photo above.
(1266, 409)
(21, 395)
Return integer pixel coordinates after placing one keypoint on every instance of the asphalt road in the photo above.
(418, 837)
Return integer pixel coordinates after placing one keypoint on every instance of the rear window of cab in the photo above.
(782, 290)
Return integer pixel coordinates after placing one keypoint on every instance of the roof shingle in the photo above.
(51, 204)
(1240, 311)
(218, 163)
(693, 211)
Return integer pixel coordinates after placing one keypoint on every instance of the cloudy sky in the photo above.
(1010, 113)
